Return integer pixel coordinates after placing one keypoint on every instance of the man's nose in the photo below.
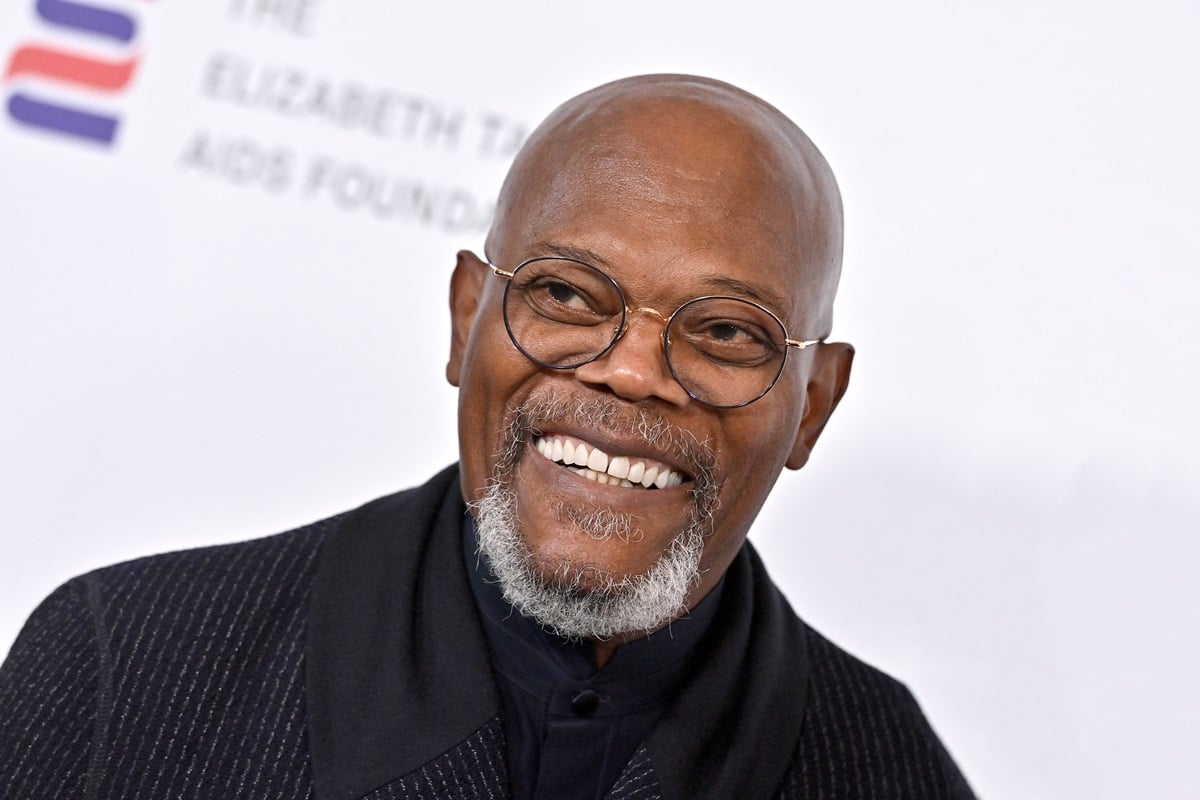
(635, 367)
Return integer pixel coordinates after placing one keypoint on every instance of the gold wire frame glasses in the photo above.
(725, 352)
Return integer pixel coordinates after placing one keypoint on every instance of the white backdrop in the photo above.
(232, 319)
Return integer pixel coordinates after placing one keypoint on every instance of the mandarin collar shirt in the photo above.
(569, 727)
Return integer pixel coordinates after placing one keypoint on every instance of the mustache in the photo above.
(549, 409)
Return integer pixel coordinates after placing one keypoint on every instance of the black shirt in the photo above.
(570, 727)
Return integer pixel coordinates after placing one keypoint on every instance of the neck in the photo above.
(604, 652)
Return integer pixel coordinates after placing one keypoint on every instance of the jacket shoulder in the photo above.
(215, 571)
(47, 700)
(864, 736)
(168, 676)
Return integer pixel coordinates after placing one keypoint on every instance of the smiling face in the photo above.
(677, 188)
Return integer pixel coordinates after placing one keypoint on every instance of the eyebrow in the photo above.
(735, 287)
(570, 251)
(717, 284)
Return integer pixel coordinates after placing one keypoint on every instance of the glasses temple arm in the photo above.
(500, 273)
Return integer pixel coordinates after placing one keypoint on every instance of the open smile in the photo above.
(591, 462)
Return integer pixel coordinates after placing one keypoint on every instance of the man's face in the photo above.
(671, 210)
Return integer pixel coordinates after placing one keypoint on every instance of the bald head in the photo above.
(685, 145)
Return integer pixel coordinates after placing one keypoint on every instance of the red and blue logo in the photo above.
(102, 69)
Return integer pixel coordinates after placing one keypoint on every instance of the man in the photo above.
(639, 353)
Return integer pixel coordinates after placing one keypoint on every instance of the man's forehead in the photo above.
(700, 130)
(670, 149)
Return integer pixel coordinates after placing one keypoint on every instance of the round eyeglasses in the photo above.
(725, 352)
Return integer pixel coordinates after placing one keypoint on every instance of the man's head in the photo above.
(677, 188)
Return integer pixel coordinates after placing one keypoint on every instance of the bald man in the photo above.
(573, 610)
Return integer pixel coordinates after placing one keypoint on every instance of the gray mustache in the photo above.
(548, 409)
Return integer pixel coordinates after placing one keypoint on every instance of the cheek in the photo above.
(763, 433)
(757, 443)
(492, 374)
(791, 389)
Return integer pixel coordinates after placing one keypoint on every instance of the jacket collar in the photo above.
(734, 727)
(396, 671)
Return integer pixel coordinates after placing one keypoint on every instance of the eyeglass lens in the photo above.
(724, 351)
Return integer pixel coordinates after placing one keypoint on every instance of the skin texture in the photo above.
(677, 187)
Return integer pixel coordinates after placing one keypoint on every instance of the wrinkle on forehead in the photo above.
(684, 147)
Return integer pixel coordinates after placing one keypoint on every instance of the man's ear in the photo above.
(466, 291)
(826, 384)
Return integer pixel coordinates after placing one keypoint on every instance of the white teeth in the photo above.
(649, 476)
(594, 464)
(598, 460)
(618, 467)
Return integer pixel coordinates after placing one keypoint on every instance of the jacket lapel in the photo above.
(473, 769)
(637, 780)
(733, 729)
(397, 672)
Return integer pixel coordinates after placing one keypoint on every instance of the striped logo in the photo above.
(69, 87)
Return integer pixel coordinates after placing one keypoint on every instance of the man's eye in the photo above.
(562, 301)
(565, 293)
(728, 341)
(726, 332)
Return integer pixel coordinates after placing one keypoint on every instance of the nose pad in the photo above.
(635, 367)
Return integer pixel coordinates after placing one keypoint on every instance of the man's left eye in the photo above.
(725, 331)
(564, 293)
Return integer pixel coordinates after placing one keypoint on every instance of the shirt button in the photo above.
(584, 702)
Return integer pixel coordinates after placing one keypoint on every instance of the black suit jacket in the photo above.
(345, 660)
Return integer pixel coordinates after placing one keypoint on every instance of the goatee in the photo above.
(581, 601)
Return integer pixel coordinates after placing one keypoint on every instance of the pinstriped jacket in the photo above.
(345, 661)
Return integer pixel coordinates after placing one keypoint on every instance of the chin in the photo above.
(577, 599)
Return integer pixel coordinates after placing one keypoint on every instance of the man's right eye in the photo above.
(562, 301)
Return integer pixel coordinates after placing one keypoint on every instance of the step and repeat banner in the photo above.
(228, 229)
(226, 233)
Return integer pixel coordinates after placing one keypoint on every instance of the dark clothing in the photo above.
(346, 660)
(570, 728)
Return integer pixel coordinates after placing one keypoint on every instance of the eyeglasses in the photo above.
(725, 352)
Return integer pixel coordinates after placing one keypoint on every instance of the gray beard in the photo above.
(579, 601)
